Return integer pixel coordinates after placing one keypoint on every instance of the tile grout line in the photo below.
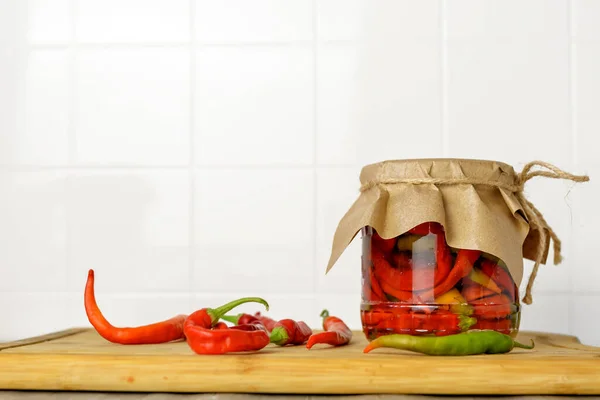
(185, 44)
(315, 146)
(444, 80)
(71, 143)
(192, 161)
(574, 154)
(26, 167)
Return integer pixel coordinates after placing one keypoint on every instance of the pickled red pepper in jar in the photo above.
(443, 244)
(416, 284)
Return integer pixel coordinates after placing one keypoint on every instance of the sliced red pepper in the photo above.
(475, 291)
(463, 265)
(493, 307)
(501, 325)
(376, 292)
(500, 276)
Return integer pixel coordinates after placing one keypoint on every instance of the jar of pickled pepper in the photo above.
(443, 244)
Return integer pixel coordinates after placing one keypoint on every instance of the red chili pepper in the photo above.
(389, 277)
(204, 339)
(159, 332)
(336, 332)
(426, 228)
(406, 278)
(250, 327)
(288, 331)
(417, 323)
(463, 265)
(268, 323)
(501, 325)
(386, 245)
(375, 316)
(497, 306)
(376, 290)
(220, 325)
(240, 319)
(475, 291)
(500, 276)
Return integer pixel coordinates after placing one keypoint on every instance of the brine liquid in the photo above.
(416, 284)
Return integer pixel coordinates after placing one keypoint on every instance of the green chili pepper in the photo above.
(460, 344)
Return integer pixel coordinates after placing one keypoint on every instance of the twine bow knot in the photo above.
(533, 215)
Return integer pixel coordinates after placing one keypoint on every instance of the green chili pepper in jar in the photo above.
(460, 344)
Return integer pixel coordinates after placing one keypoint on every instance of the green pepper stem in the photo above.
(278, 335)
(465, 322)
(324, 314)
(231, 318)
(217, 313)
(524, 346)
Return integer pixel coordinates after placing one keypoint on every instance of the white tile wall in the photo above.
(192, 151)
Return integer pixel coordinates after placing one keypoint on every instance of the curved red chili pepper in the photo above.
(159, 332)
(288, 331)
(376, 290)
(463, 265)
(336, 332)
(204, 339)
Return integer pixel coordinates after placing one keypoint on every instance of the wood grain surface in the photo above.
(81, 360)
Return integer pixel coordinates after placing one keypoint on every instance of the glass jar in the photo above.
(416, 284)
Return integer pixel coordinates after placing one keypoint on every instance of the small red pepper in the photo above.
(336, 332)
(159, 332)
(240, 319)
(288, 331)
(268, 323)
(204, 339)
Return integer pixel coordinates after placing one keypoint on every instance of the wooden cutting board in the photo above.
(79, 359)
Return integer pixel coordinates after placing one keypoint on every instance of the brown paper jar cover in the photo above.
(483, 216)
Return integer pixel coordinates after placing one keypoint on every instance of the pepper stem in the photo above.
(278, 335)
(324, 314)
(524, 346)
(465, 322)
(231, 318)
(217, 313)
